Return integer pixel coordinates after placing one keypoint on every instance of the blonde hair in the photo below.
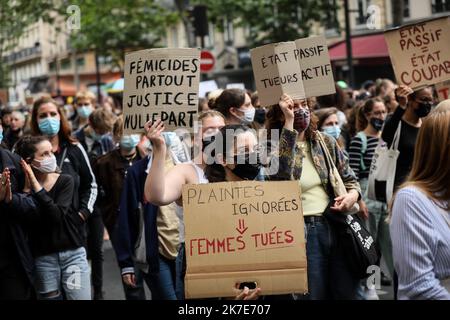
(118, 129)
(430, 169)
(210, 113)
(86, 95)
(102, 120)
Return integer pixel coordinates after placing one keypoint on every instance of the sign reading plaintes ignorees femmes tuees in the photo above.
(161, 84)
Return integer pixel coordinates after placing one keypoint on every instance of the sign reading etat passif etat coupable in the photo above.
(420, 53)
(161, 84)
(244, 232)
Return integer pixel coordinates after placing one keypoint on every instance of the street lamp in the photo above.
(348, 43)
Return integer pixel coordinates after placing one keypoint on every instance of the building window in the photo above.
(438, 6)
(52, 66)
(104, 60)
(362, 11)
(65, 64)
(406, 13)
(80, 62)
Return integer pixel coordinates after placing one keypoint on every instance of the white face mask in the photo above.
(47, 165)
(249, 115)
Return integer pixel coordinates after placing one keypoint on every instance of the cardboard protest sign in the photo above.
(443, 90)
(236, 86)
(206, 87)
(276, 72)
(317, 74)
(246, 231)
(420, 53)
(161, 83)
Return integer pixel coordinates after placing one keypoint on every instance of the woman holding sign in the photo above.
(413, 107)
(302, 158)
(162, 189)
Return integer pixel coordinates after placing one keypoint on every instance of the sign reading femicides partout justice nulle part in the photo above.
(161, 84)
(420, 53)
(245, 231)
(301, 69)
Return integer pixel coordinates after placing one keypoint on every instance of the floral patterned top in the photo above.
(290, 160)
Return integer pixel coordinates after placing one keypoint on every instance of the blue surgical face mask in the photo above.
(84, 111)
(129, 142)
(334, 131)
(249, 116)
(1, 136)
(49, 126)
(95, 136)
(169, 137)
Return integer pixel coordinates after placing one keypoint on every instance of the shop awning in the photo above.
(363, 47)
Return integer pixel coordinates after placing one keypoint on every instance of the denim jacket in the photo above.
(291, 160)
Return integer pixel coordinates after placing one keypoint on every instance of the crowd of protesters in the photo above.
(69, 174)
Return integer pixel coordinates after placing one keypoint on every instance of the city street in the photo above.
(114, 291)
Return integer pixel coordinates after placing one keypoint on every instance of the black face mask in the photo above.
(207, 141)
(377, 123)
(260, 115)
(250, 168)
(424, 109)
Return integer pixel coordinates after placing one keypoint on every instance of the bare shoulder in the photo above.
(186, 171)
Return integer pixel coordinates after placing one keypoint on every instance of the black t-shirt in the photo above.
(406, 145)
(58, 225)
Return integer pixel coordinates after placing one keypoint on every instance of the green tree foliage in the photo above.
(113, 27)
(271, 20)
(15, 17)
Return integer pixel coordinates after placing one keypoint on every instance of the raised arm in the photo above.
(161, 188)
(391, 124)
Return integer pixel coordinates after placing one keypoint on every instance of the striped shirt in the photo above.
(355, 155)
(421, 246)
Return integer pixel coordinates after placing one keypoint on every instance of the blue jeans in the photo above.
(328, 274)
(65, 272)
(162, 284)
(180, 272)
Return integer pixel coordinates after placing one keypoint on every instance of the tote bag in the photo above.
(382, 170)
